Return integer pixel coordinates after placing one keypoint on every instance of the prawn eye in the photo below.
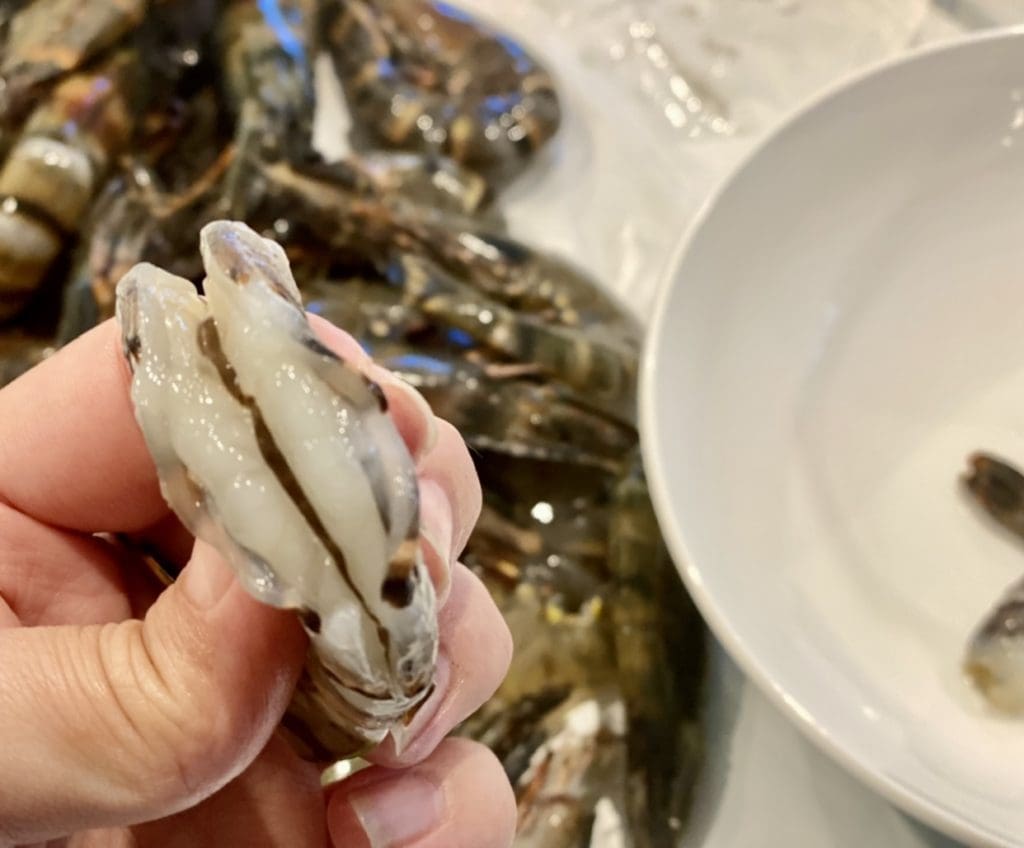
(399, 591)
(310, 620)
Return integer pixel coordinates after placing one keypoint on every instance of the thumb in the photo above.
(115, 724)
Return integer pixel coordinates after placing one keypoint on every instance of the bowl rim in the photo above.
(918, 805)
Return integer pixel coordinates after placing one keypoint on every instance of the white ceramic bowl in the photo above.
(844, 324)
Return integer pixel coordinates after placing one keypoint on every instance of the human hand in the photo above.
(132, 717)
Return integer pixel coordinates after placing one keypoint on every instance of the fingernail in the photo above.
(426, 413)
(436, 532)
(206, 578)
(396, 812)
(435, 555)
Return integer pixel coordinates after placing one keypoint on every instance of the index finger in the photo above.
(71, 453)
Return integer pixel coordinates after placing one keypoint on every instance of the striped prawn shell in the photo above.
(51, 174)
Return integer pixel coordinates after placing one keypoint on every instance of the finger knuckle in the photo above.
(170, 733)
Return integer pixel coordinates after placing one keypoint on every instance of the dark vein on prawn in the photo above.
(399, 586)
(210, 346)
(371, 465)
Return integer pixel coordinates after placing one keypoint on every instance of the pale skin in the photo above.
(134, 716)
